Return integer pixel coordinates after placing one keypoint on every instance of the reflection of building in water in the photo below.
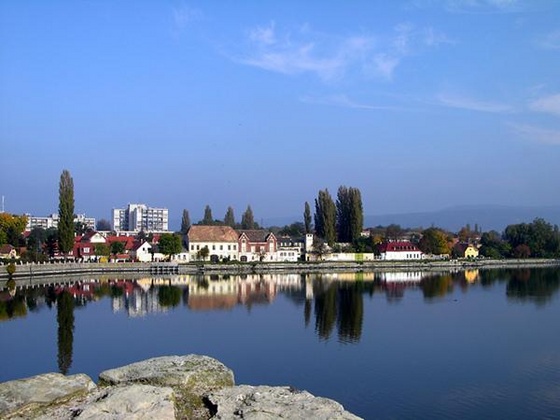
(137, 299)
(401, 277)
(471, 275)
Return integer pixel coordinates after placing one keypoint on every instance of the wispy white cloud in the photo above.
(537, 134)
(465, 102)
(548, 104)
(550, 41)
(184, 15)
(345, 102)
(331, 57)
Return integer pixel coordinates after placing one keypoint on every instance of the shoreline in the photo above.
(32, 270)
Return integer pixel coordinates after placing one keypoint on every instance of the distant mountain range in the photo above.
(453, 218)
(490, 217)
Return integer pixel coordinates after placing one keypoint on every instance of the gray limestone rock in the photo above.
(133, 402)
(265, 402)
(191, 377)
(24, 396)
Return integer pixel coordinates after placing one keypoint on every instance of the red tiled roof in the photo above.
(398, 246)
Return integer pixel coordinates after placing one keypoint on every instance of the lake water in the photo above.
(474, 344)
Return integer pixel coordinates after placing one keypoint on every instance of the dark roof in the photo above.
(256, 235)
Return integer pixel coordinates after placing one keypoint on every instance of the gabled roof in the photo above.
(203, 233)
(398, 246)
(256, 235)
(138, 244)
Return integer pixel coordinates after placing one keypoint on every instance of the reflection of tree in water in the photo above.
(13, 308)
(437, 286)
(65, 319)
(169, 295)
(351, 312)
(533, 285)
(490, 276)
(340, 304)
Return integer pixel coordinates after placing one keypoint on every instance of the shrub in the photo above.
(11, 269)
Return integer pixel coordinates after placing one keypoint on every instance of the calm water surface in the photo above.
(475, 344)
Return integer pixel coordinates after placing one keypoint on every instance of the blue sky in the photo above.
(422, 104)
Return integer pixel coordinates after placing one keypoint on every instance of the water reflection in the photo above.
(334, 301)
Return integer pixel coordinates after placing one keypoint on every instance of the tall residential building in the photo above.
(51, 221)
(140, 217)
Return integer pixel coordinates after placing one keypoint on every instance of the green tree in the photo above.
(207, 219)
(307, 218)
(493, 246)
(185, 222)
(65, 212)
(170, 244)
(247, 219)
(203, 253)
(349, 214)
(117, 247)
(393, 232)
(102, 250)
(103, 225)
(229, 219)
(325, 217)
(434, 241)
(540, 237)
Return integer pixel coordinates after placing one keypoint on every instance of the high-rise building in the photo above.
(51, 221)
(140, 217)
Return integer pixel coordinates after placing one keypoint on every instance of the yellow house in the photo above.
(463, 250)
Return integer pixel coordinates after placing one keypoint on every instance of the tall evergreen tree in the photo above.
(208, 219)
(229, 219)
(325, 217)
(185, 222)
(307, 218)
(247, 219)
(349, 214)
(65, 212)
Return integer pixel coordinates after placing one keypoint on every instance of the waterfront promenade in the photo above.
(31, 270)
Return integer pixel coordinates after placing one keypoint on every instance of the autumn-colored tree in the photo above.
(11, 228)
(434, 241)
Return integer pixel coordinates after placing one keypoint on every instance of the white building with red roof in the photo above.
(400, 251)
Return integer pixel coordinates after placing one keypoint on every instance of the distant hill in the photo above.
(489, 217)
(453, 218)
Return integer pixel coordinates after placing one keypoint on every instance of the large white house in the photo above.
(400, 251)
(221, 242)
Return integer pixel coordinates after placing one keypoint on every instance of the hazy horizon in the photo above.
(420, 104)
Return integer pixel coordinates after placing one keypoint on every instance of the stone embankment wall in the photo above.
(69, 269)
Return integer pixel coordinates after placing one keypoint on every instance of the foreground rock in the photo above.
(171, 387)
(266, 402)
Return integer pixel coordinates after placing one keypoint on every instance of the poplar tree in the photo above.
(66, 212)
(208, 219)
(325, 217)
(229, 219)
(307, 218)
(349, 212)
(185, 221)
(247, 219)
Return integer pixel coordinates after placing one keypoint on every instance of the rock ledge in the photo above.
(169, 387)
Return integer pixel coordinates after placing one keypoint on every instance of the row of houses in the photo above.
(223, 243)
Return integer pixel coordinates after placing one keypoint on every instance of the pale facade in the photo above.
(221, 242)
(140, 217)
(51, 221)
(400, 251)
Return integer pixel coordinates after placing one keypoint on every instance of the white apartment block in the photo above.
(51, 221)
(140, 217)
